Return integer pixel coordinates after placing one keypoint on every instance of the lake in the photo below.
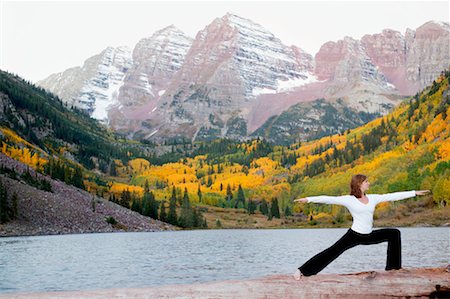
(124, 260)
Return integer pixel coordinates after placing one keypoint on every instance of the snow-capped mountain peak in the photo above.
(236, 74)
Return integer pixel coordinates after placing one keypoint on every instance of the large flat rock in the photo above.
(415, 283)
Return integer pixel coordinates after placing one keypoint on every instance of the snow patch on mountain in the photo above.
(262, 59)
(261, 90)
(101, 90)
(285, 85)
(144, 84)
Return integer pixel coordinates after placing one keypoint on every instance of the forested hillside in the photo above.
(197, 185)
(407, 149)
(43, 120)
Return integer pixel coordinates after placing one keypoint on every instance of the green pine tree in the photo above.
(162, 212)
(187, 217)
(178, 197)
(287, 211)
(251, 206)
(125, 199)
(153, 206)
(274, 209)
(77, 178)
(264, 208)
(196, 218)
(4, 217)
(15, 208)
(136, 205)
(146, 205)
(112, 169)
(210, 182)
(229, 195)
(146, 187)
(240, 197)
(199, 193)
(218, 223)
(172, 217)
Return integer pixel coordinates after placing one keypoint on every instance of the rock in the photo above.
(429, 48)
(405, 283)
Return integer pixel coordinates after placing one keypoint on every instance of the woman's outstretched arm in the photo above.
(400, 195)
(336, 200)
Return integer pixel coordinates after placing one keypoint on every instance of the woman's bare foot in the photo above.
(298, 275)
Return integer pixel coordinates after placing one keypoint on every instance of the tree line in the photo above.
(147, 205)
(8, 208)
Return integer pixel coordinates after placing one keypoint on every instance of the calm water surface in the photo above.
(123, 260)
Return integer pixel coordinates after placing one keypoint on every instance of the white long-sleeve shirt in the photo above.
(362, 213)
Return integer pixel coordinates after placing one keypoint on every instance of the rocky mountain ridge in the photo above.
(230, 63)
(95, 86)
(235, 75)
(155, 61)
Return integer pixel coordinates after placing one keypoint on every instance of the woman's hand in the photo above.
(422, 192)
(304, 200)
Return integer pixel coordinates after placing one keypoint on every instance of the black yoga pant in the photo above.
(394, 255)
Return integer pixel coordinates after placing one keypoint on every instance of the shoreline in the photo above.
(404, 283)
(37, 234)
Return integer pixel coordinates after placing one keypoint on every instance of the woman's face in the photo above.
(365, 185)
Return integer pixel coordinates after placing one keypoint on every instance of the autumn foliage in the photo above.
(398, 151)
(408, 149)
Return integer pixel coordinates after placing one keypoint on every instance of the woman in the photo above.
(362, 207)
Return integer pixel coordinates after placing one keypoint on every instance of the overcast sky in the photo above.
(40, 38)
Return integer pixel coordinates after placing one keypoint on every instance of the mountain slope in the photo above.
(64, 209)
(95, 86)
(155, 62)
(407, 149)
(43, 119)
(39, 134)
(230, 62)
(235, 75)
(312, 120)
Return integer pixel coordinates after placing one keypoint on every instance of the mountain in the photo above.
(43, 120)
(230, 63)
(369, 77)
(94, 86)
(410, 61)
(155, 61)
(312, 120)
(236, 75)
(407, 149)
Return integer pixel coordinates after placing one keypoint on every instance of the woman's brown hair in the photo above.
(355, 185)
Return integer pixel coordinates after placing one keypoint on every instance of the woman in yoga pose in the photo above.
(361, 207)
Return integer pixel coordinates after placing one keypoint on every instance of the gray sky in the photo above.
(40, 38)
